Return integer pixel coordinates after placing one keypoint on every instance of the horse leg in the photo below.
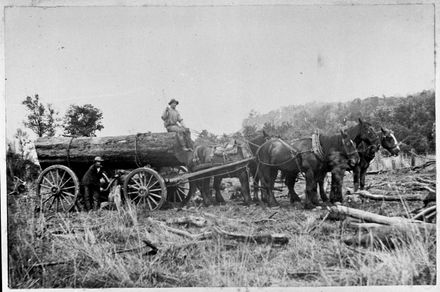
(218, 195)
(356, 175)
(271, 202)
(290, 183)
(267, 181)
(205, 191)
(322, 193)
(363, 172)
(336, 189)
(311, 190)
(256, 186)
(244, 181)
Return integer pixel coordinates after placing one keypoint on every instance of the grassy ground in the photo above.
(107, 249)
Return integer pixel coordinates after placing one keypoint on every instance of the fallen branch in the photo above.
(389, 236)
(196, 221)
(375, 218)
(383, 237)
(267, 219)
(426, 164)
(147, 243)
(260, 238)
(415, 185)
(277, 238)
(425, 212)
(367, 194)
(431, 215)
(424, 180)
(376, 171)
(303, 275)
(199, 236)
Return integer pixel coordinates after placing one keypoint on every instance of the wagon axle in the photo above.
(144, 191)
(55, 190)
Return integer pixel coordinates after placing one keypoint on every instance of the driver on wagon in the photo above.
(173, 122)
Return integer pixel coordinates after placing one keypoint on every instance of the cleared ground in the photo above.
(107, 248)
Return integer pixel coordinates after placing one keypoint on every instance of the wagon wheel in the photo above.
(57, 189)
(178, 192)
(145, 187)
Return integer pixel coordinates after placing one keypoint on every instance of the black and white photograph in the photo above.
(241, 145)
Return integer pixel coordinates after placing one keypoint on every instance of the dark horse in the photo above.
(361, 134)
(254, 144)
(275, 155)
(367, 152)
(207, 156)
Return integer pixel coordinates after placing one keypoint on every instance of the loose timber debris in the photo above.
(383, 231)
(368, 195)
(425, 212)
(375, 218)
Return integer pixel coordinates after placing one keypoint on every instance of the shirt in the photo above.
(171, 117)
(92, 176)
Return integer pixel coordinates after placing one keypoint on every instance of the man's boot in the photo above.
(87, 200)
(96, 200)
(96, 205)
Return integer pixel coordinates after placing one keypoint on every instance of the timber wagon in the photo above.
(153, 167)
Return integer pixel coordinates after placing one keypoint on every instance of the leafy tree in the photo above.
(82, 120)
(206, 138)
(41, 119)
(23, 143)
(16, 165)
(411, 118)
(250, 131)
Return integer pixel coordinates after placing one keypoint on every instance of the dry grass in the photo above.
(106, 249)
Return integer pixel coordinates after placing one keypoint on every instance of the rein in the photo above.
(293, 153)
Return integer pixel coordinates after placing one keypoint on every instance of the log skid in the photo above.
(119, 152)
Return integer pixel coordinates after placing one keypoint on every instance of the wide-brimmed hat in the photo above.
(98, 158)
(173, 100)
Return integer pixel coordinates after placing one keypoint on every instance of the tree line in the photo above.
(411, 118)
(42, 119)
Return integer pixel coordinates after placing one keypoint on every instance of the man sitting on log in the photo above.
(91, 183)
(174, 123)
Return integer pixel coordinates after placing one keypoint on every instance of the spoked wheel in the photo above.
(177, 192)
(145, 187)
(57, 189)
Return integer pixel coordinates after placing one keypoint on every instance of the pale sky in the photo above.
(219, 62)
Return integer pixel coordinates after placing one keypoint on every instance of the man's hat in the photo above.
(173, 100)
(99, 158)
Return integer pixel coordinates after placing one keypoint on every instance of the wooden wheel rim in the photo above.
(178, 193)
(57, 189)
(146, 187)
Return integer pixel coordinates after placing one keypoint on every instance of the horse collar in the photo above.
(316, 147)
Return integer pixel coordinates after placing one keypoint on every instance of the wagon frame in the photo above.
(58, 185)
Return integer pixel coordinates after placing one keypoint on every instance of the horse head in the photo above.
(389, 141)
(366, 133)
(350, 150)
(257, 141)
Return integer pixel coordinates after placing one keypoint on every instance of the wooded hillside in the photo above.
(412, 118)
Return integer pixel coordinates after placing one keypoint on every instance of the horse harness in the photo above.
(317, 148)
(293, 155)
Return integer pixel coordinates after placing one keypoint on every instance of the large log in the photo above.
(376, 218)
(119, 152)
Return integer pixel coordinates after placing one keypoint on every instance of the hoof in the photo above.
(325, 204)
(309, 206)
(273, 204)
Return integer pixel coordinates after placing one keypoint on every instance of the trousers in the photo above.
(183, 135)
(91, 197)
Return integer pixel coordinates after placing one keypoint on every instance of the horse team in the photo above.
(353, 149)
